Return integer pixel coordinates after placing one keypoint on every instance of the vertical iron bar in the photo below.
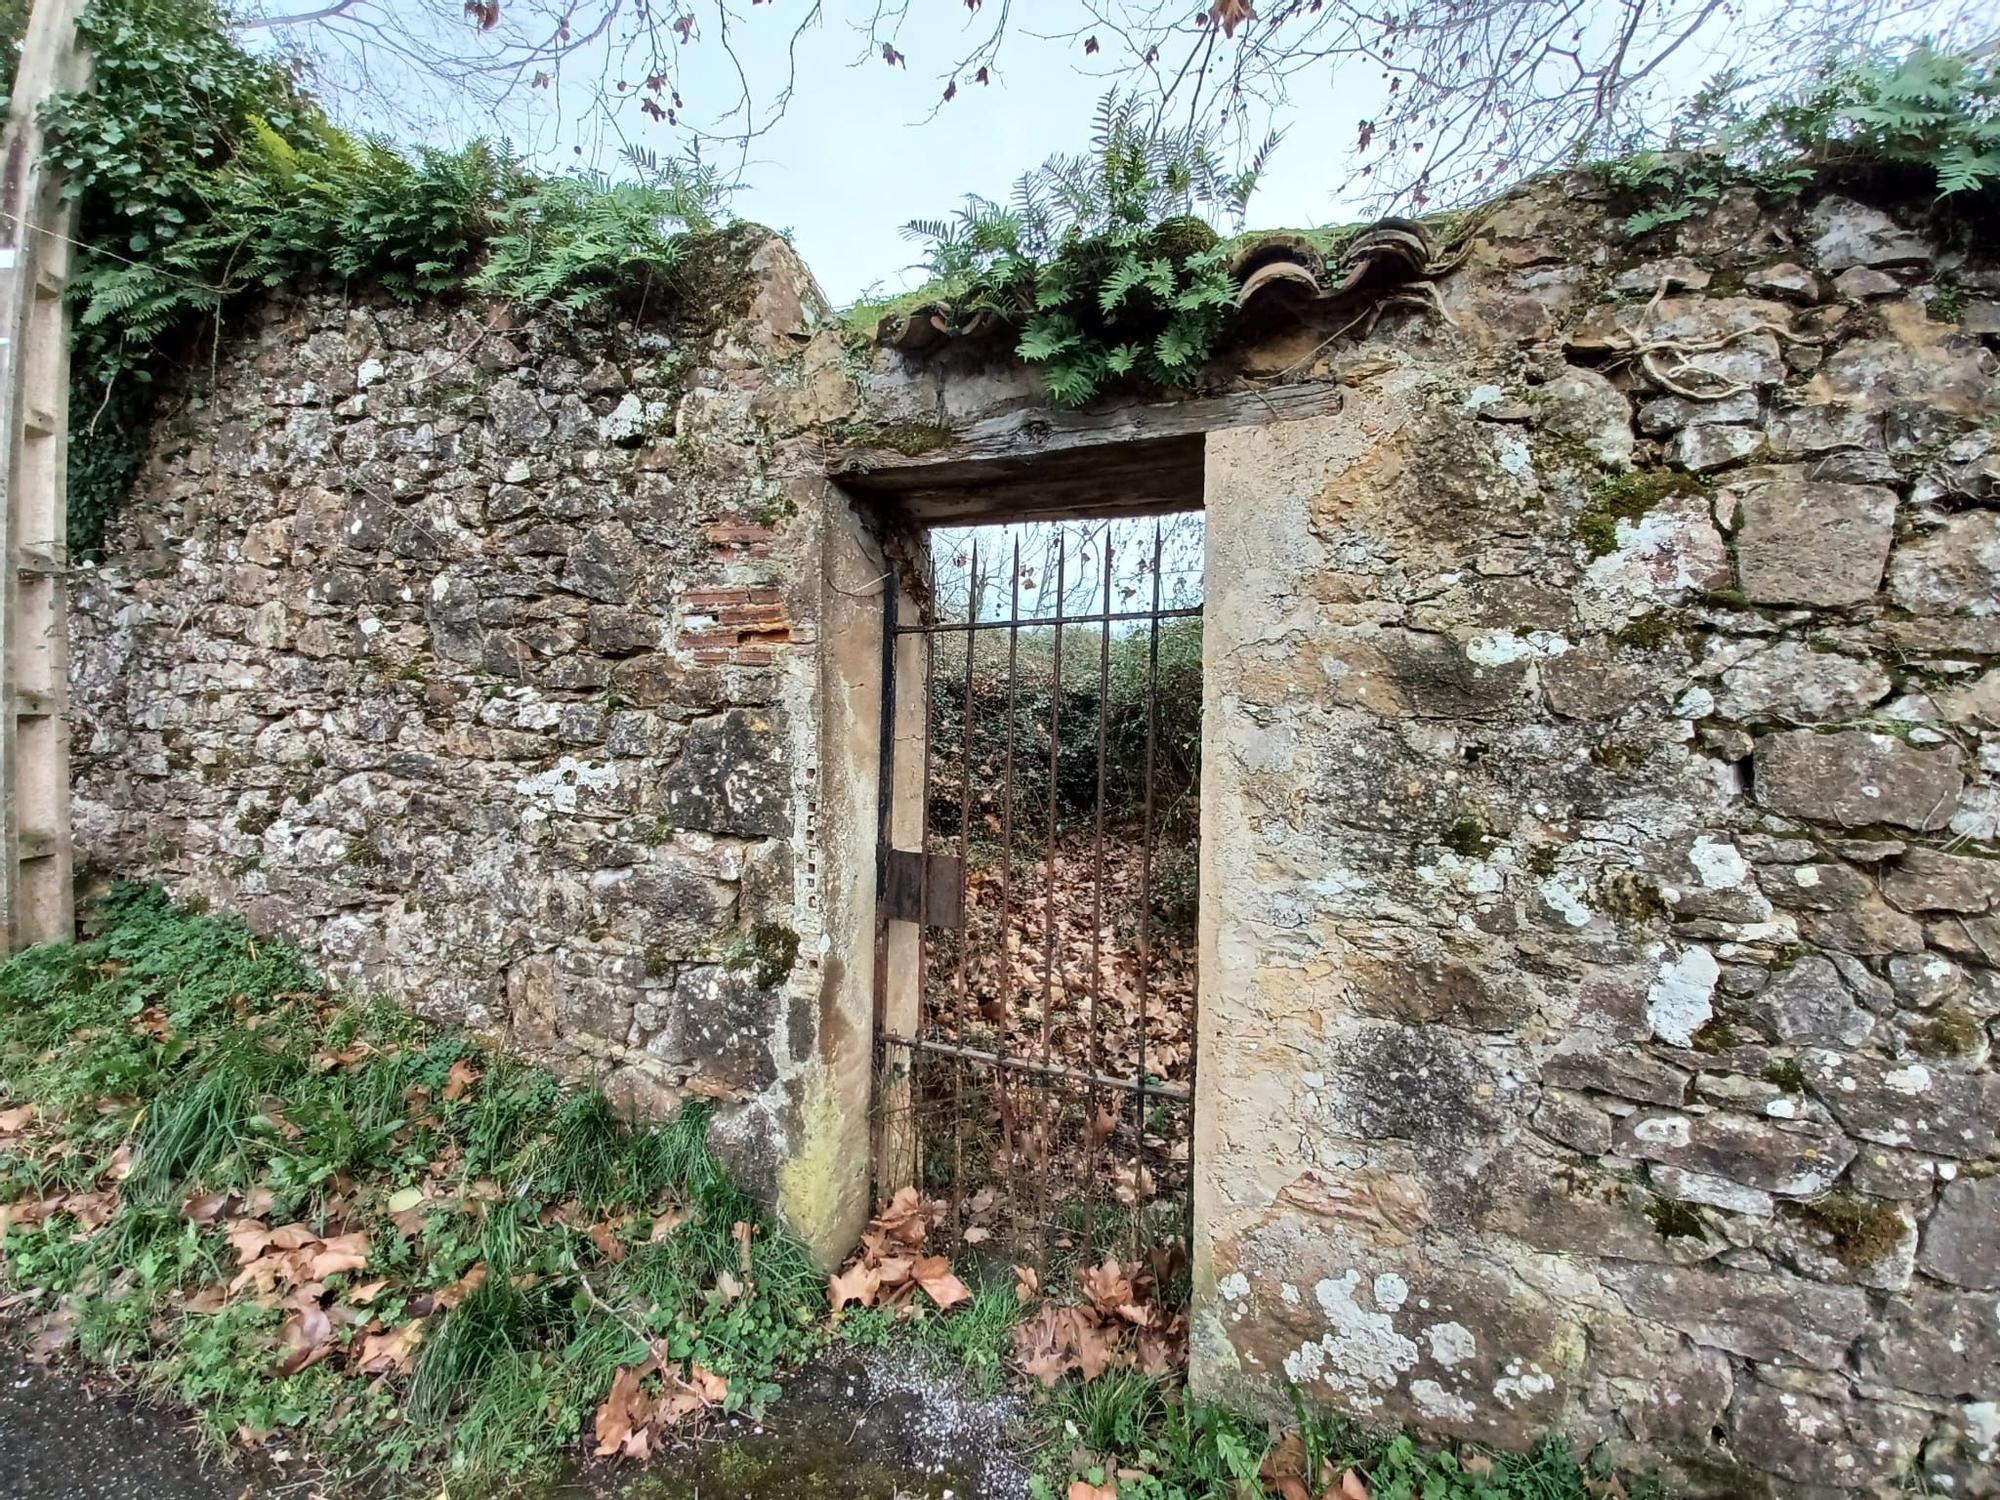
(1049, 856)
(965, 906)
(1091, 1105)
(1194, 1000)
(1006, 996)
(1146, 859)
(923, 884)
(884, 814)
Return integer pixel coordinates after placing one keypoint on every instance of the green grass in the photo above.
(193, 1058)
(1162, 1445)
(211, 1062)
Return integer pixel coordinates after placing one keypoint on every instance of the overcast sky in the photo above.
(863, 147)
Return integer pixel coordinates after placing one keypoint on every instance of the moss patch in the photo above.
(1468, 836)
(1626, 497)
(1860, 1232)
(1785, 1073)
(1652, 631)
(1716, 1035)
(1676, 1220)
(1621, 757)
(1952, 1032)
(768, 950)
(911, 439)
(1632, 897)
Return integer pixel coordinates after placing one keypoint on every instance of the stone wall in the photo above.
(481, 660)
(1601, 808)
(1600, 898)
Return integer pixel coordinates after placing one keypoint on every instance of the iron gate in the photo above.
(1036, 979)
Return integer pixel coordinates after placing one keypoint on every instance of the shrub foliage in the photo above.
(202, 173)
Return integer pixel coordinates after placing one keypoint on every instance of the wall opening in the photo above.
(1040, 878)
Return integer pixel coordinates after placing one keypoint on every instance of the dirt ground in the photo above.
(879, 1426)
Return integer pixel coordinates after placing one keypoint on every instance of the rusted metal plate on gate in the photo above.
(927, 888)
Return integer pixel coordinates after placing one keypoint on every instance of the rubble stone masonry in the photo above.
(1601, 798)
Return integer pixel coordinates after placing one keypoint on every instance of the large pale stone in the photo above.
(1808, 1003)
(1790, 682)
(1843, 1443)
(1806, 541)
(1845, 233)
(1938, 1342)
(1908, 1103)
(1584, 407)
(1961, 1242)
(1757, 1316)
(731, 777)
(1930, 880)
(1856, 779)
(1797, 1159)
(1952, 570)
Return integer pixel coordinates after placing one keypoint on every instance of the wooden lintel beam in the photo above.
(1000, 448)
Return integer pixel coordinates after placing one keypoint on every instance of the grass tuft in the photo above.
(188, 1078)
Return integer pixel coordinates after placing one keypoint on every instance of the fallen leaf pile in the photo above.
(91, 1209)
(648, 1398)
(1050, 966)
(892, 1265)
(1122, 1325)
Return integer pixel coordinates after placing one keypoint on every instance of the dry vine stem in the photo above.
(1647, 353)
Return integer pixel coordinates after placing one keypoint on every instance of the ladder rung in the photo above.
(32, 562)
(48, 285)
(29, 704)
(30, 845)
(39, 423)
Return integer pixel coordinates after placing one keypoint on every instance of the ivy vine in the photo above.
(202, 174)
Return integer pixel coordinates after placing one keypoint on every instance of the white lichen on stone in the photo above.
(1719, 864)
(1361, 1354)
(1439, 1404)
(1681, 1000)
(1450, 1343)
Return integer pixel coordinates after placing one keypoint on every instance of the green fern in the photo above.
(1105, 260)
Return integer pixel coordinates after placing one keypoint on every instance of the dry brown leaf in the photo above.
(1083, 1489)
(895, 1271)
(1354, 1487)
(858, 1283)
(934, 1274)
(727, 1287)
(1027, 1283)
(1475, 1463)
(203, 1208)
(458, 1083)
(1108, 1286)
(605, 1237)
(12, 1120)
(710, 1386)
(387, 1353)
(462, 1288)
(623, 1416)
(210, 1299)
(292, 1237)
(665, 1224)
(307, 1336)
(362, 1295)
(345, 1252)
